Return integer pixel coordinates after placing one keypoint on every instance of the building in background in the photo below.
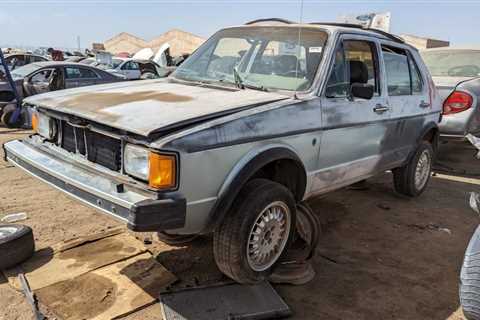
(422, 43)
(180, 42)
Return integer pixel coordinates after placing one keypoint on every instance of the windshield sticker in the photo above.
(315, 49)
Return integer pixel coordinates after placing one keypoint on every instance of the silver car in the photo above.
(258, 119)
(456, 73)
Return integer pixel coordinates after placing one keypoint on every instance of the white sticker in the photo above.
(315, 49)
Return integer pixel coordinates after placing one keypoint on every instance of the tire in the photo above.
(234, 235)
(470, 279)
(175, 240)
(16, 245)
(7, 114)
(404, 178)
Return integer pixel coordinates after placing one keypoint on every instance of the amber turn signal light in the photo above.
(162, 173)
(35, 121)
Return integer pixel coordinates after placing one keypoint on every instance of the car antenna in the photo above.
(295, 96)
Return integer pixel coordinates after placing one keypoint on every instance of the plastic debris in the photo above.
(475, 201)
(475, 141)
(14, 217)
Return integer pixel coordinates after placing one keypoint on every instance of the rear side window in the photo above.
(355, 62)
(79, 73)
(403, 75)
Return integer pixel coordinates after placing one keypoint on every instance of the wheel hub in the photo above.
(268, 236)
(6, 231)
(422, 171)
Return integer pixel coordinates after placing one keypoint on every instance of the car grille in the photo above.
(97, 148)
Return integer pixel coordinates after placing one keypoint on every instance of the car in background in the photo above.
(456, 74)
(42, 77)
(17, 60)
(134, 69)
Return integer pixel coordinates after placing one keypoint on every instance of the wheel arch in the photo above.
(279, 163)
(431, 134)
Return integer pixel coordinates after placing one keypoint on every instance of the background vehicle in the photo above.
(43, 77)
(456, 73)
(21, 59)
(255, 121)
(134, 69)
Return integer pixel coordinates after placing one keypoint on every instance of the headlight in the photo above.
(158, 169)
(44, 125)
(136, 161)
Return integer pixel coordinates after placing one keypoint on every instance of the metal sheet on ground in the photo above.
(55, 264)
(109, 292)
(232, 301)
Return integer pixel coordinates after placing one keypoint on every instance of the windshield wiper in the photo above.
(240, 83)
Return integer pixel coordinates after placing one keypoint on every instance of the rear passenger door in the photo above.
(353, 144)
(408, 97)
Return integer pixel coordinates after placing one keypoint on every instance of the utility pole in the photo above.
(78, 43)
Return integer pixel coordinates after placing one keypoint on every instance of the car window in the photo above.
(131, 65)
(266, 58)
(79, 73)
(417, 82)
(403, 74)
(397, 71)
(41, 76)
(453, 62)
(355, 62)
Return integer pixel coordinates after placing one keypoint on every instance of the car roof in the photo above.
(329, 26)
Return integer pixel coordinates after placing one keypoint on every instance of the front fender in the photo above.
(251, 163)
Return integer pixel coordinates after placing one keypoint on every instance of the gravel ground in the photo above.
(381, 256)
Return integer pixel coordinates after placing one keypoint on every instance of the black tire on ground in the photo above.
(16, 245)
(230, 240)
(404, 177)
(470, 279)
(6, 116)
(175, 240)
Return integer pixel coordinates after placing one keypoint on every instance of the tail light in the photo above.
(456, 102)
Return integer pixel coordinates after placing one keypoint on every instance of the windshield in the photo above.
(116, 63)
(24, 71)
(453, 63)
(264, 57)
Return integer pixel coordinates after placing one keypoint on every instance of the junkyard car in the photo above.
(17, 60)
(456, 73)
(134, 69)
(48, 76)
(258, 119)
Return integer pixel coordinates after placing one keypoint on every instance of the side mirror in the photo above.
(362, 90)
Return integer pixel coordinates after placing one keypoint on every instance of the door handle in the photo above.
(424, 104)
(380, 109)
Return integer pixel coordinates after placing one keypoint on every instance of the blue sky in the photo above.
(59, 22)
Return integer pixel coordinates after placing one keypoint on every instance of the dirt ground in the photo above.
(381, 256)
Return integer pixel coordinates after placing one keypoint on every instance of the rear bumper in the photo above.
(141, 211)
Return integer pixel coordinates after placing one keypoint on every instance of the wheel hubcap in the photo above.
(422, 171)
(6, 231)
(268, 236)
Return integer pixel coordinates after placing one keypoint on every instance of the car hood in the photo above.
(148, 106)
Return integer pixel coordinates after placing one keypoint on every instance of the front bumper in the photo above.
(141, 211)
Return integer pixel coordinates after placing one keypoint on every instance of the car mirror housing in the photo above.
(362, 90)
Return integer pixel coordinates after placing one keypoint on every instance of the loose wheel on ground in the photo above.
(16, 245)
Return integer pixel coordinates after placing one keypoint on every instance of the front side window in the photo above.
(41, 76)
(355, 62)
(271, 58)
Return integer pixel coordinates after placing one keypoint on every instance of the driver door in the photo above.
(39, 82)
(353, 145)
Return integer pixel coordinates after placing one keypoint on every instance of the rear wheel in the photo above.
(253, 237)
(412, 179)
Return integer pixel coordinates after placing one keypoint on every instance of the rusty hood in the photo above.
(145, 107)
